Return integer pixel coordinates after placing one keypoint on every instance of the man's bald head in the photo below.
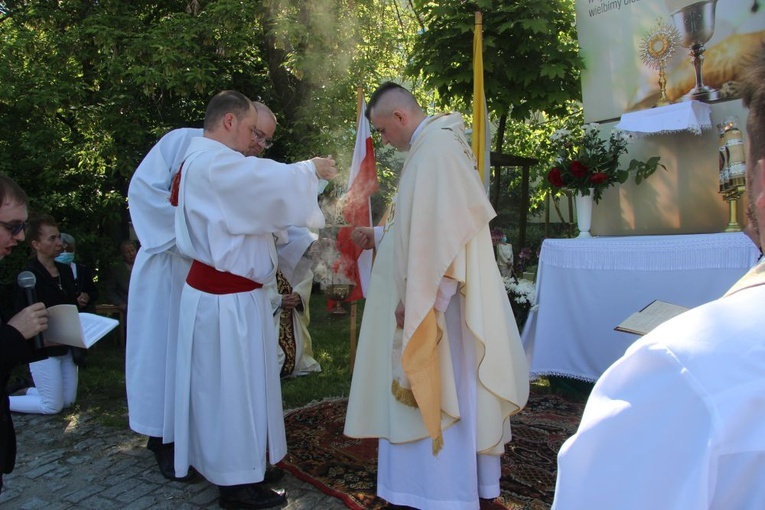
(230, 119)
(395, 114)
(264, 129)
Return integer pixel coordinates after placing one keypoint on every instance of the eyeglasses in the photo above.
(15, 228)
(261, 136)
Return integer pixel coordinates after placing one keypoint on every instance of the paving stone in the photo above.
(72, 462)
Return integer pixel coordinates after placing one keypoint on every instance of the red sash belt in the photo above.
(208, 279)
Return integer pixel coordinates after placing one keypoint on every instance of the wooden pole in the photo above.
(352, 347)
(352, 341)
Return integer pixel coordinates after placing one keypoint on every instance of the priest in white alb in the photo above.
(440, 367)
(155, 292)
(228, 407)
(291, 297)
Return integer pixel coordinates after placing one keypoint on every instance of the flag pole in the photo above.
(479, 142)
(352, 340)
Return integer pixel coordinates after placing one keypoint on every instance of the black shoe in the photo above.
(253, 496)
(17, 383)
(273, 474)
(165, 455)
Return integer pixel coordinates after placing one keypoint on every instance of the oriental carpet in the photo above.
(346, 468)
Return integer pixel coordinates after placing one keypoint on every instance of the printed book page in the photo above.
(649, 317)
(69, 327)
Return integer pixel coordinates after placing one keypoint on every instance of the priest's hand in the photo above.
(325, 168)
(400, 315)
(363, 237)
(290, 301)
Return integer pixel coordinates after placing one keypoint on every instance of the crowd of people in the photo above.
(218, 312)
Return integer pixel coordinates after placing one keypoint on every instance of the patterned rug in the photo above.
(346, 468)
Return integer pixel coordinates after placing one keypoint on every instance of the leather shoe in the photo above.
(253, 496)
(166, 461)
(273, 474)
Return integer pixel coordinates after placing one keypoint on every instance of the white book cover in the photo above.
(69, 327)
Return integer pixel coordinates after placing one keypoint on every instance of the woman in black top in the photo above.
(56, 377)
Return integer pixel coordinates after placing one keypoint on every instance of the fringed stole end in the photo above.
(403, 395)
(438, 444)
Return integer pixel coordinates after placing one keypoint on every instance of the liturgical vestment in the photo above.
(677, 422)
(228, 408)
(155, 288)
(439, 391)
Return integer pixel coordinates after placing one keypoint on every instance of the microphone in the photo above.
(27, 281)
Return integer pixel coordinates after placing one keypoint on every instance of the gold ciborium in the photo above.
(339, 292)
(732, 196)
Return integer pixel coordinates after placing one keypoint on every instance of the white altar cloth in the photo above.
(586, 287)
(693, 116)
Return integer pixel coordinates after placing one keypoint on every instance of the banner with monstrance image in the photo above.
(698, 47)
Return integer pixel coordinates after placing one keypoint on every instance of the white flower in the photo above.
(521, 291)
(621, 136)
(592, 128)
(560, 135)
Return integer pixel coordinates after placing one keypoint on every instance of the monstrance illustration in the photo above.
(656, 48)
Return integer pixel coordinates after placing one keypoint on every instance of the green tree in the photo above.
(531, 68)
(88, 87)
(531, 55)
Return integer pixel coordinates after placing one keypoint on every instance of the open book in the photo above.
(649, 317)
(69, 327)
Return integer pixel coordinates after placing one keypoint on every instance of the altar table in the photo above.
(586, 287)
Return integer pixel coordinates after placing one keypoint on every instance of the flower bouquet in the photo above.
(585, 161)
(522, 294)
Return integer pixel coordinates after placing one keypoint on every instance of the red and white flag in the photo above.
(362, 183)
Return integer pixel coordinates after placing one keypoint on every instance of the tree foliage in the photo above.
(88, 87)
(531, 60)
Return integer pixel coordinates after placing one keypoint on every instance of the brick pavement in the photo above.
(73, 462)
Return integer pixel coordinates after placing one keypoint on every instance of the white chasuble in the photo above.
(466, 369)
(440, 229)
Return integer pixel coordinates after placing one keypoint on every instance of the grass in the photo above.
(101, 390)
(102, 384)
(330, 338)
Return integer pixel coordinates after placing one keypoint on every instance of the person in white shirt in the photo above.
(677, 422)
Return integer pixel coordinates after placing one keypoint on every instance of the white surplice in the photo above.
(228, 396)
(677, 422)
(295, 266)
(155, 288)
